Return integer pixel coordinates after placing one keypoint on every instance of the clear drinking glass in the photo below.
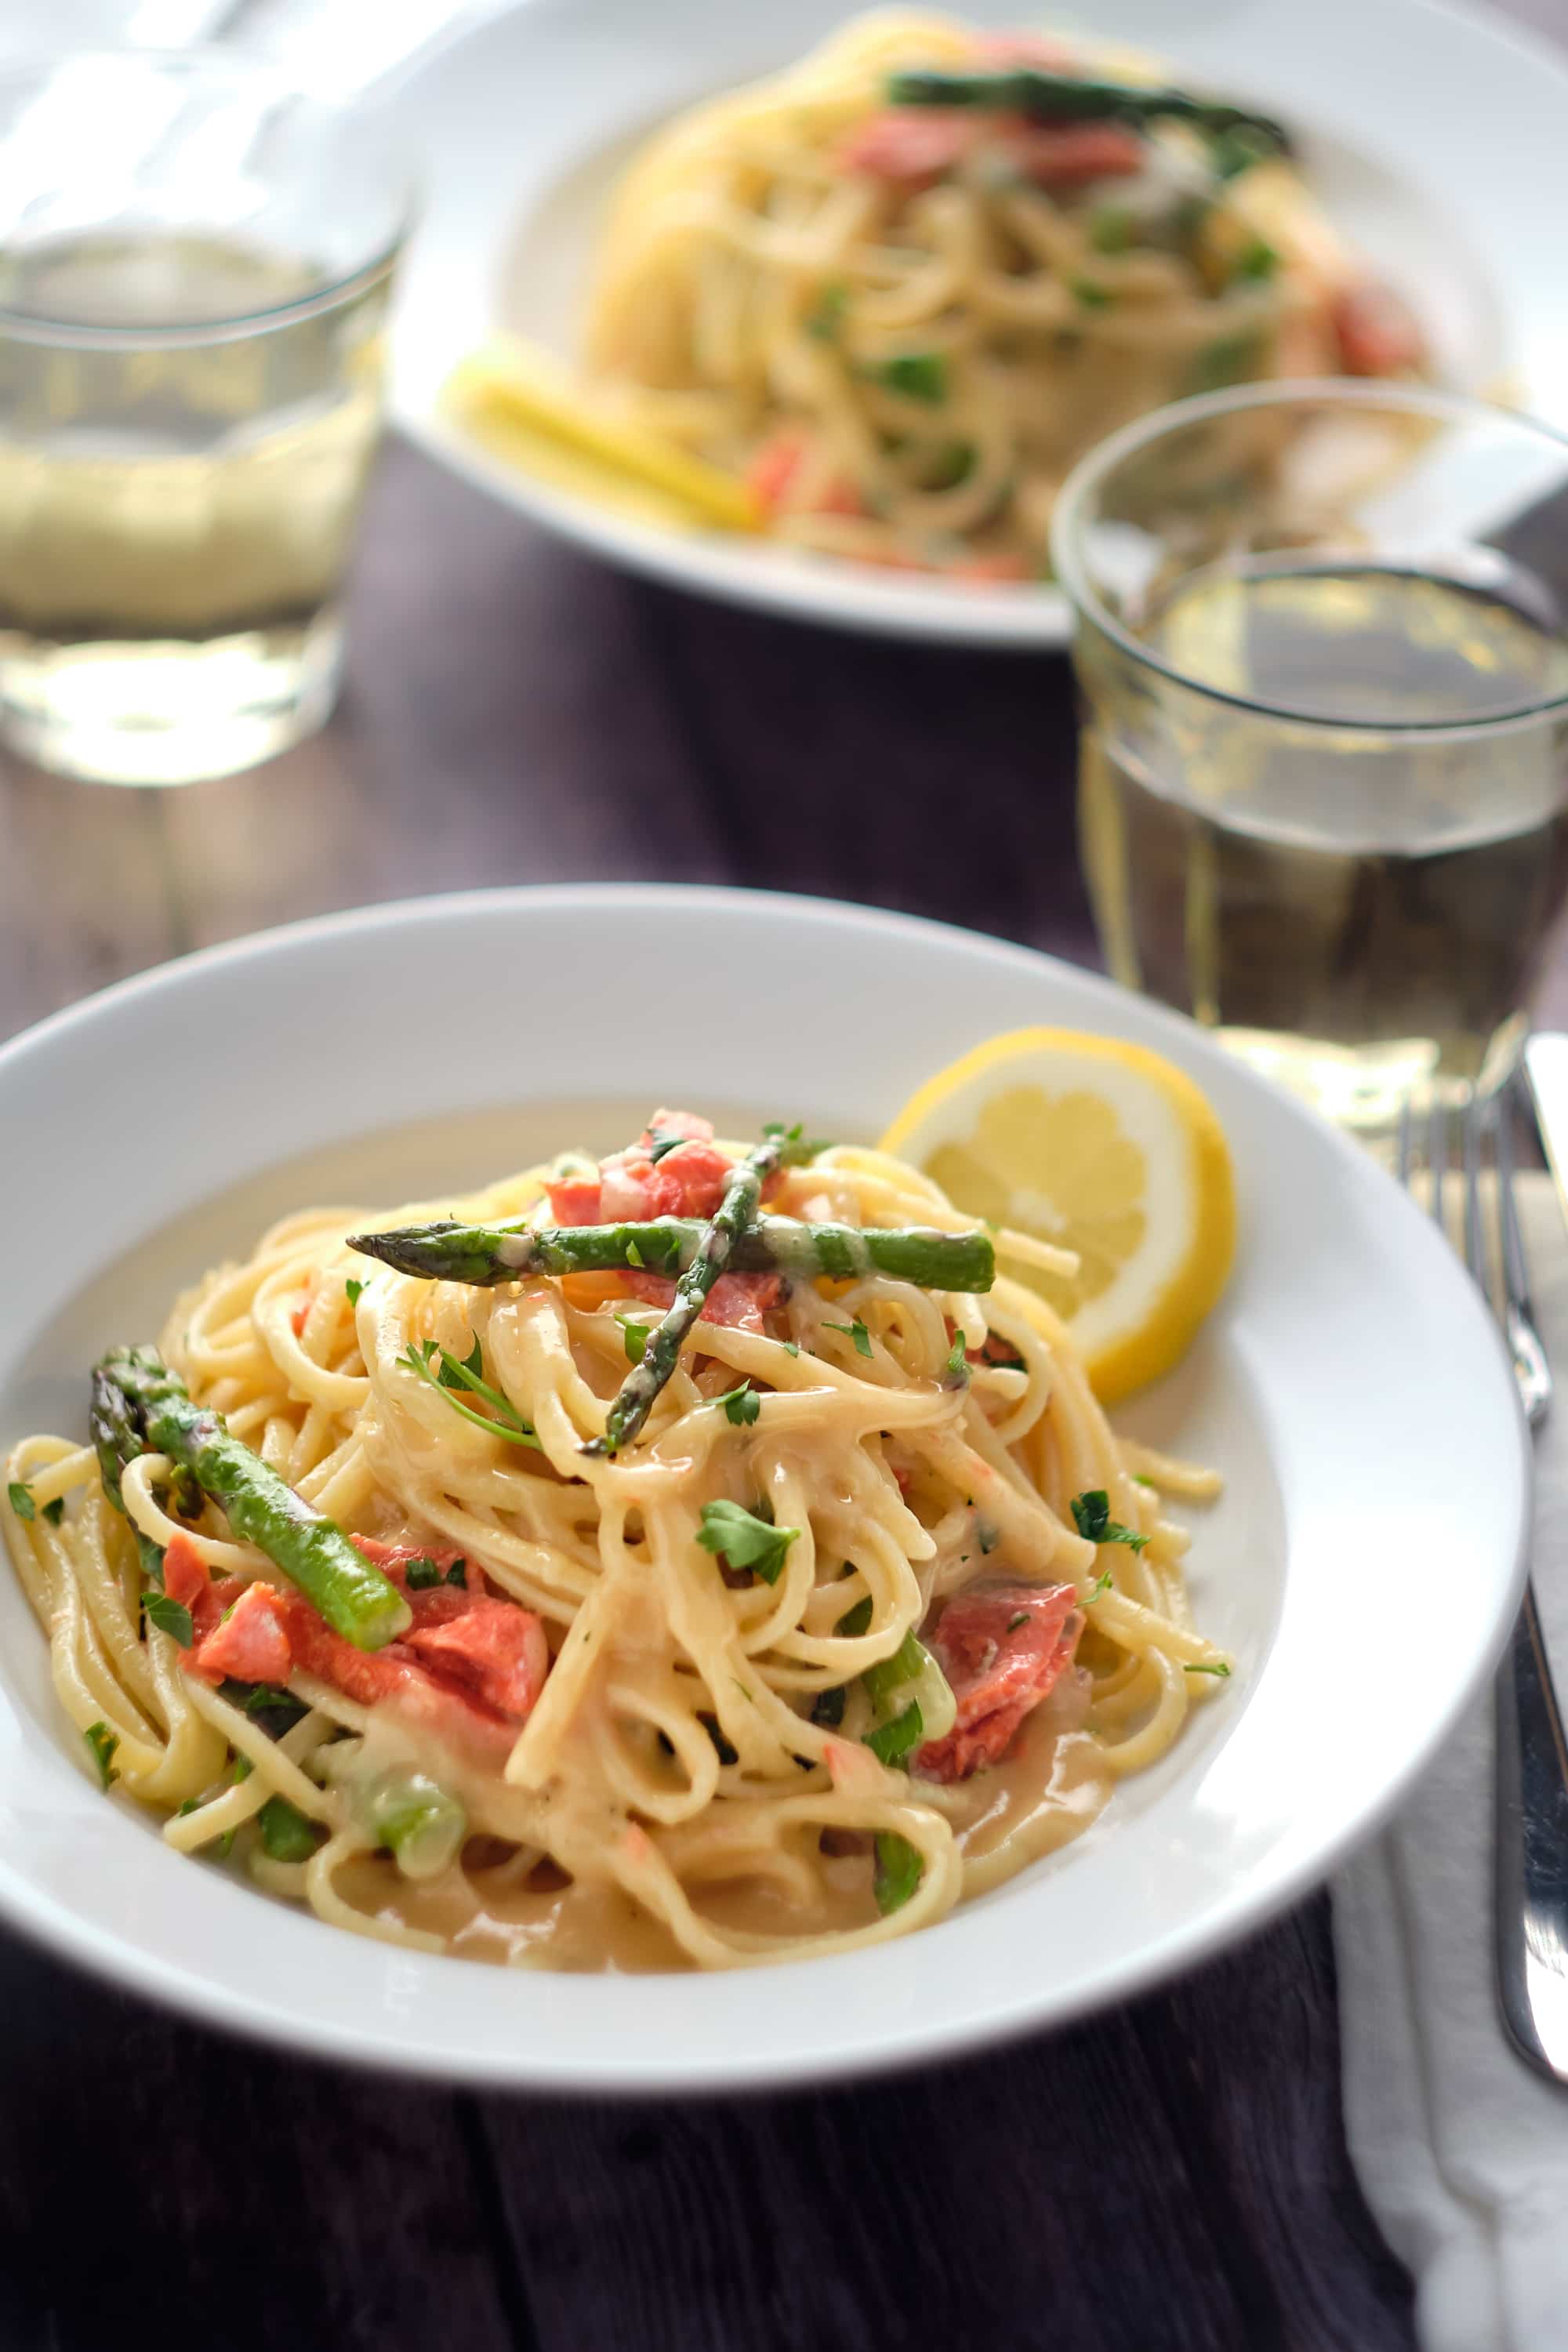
(1323, 790)
(195, 262)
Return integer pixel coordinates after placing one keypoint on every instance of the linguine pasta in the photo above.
(705, 1768)
(904, 324)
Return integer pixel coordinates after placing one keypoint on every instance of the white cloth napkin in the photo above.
(1462, 2151)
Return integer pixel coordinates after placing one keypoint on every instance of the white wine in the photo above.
(176, 505)
(1361, 914)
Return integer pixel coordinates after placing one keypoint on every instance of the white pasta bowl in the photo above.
(1362, 1566)
(523, 121)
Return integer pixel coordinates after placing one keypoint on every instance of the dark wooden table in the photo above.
(1170, 2177)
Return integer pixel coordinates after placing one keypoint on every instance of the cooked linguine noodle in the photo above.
(904, 323)
(604, 1740)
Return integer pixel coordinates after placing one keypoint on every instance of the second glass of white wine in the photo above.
(196, 263)
(1323, 792)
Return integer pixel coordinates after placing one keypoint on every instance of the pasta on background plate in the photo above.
(696, 1557)
(901, 288)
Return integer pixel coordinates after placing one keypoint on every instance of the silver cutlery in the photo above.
(1531, 1925)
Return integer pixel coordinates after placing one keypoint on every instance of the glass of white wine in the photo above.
(1321, 633)
(196, 263)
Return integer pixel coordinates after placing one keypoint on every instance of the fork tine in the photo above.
(1437, 1157)
(1472, 1120)
(1532, 1370)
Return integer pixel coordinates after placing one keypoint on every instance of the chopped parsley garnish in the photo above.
(746, 1540)
(1230, 359)
(957, 1374)
(790, 1347)
(54, 1512)
(1019, 1617)
(103, 1745)
(171, 1617)
(827, 1707)
(1102, 1584)
(262, 1701)
(795, 1147)
(20, 1499)
(661, 1139)
(917, 375)
(1091, 1514)
(286, 1833)
(243, 1769)
(855, 1620)
(742, 1405)
(891, 1742)
(825, 316)
(1089, 296)
(721, 1747)
(1257, 260)
(1205, 1666)
(353, 1289)
(900, 1867)
(443, 1372)
(859, 1336)
(634, 1338)
(421, 1574)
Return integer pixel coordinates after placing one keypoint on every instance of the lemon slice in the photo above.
(531, 411)
(1104, 1148)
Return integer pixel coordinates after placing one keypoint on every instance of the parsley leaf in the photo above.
(1091, 1514)
(790, 1347)
(795, 1147)
(1019, 1617)
(54, 1512)
(420, 1356)
(1217, 1666)
(243, 1769)
(421, 1574)
(20, 1499)
(635, 1338)
(745, 1539)
(741, 1405)
(351, 1290)
(917, 375)
(858, 1335)
(286, 1833)
(458, 1574)
(262, 1701)
(827, 315)
(1257, 260)
(1102, 1584)
(171, 1617)
(891, 1742)
(103, 1744)
(663, 1139)
(855, 1620)
(900, 1868)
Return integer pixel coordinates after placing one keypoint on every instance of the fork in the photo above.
(1530, 1924)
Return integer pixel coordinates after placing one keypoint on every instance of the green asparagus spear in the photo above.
(1046, 97)
(483, 1256)
(118, 1442)
(137, 1398)
(737, 1210)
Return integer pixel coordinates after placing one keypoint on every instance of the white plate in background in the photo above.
(1432, 135)
(1362, 1566)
